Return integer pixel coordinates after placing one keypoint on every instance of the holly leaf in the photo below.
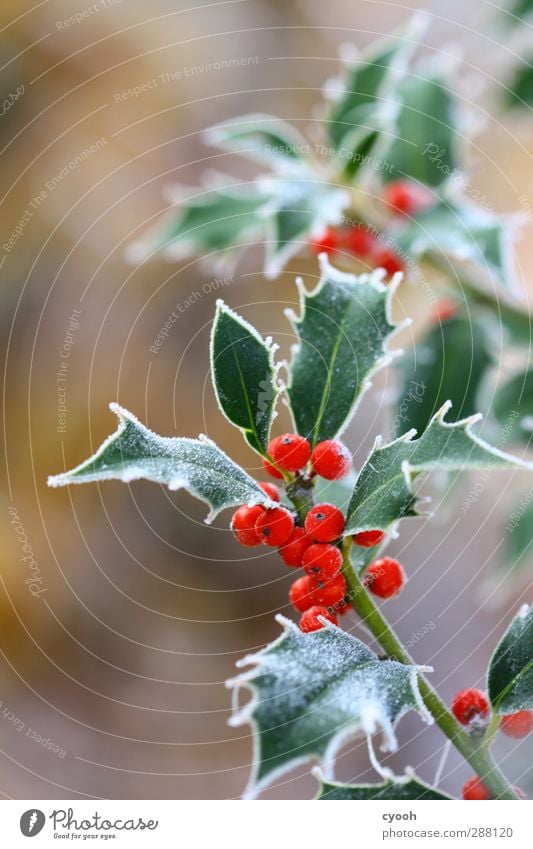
(448, 363)
(197, 465)
(513, 407)
(302, 207)
(510, 676)
(448, 234)
(244, 376)
(390, 790)
(518, 541)
(342, 329)
(216, 221)
(310, 692)
(367, 89)
(264, 138)
(519, 90)
(384, 493)
(424, 147)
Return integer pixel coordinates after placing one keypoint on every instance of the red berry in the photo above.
(324, 523)
(406, 198)
(359, 241)
(470, 704)
(330, 592)
(385, 577)
(271, 490)
(443, 311)
(290, 451)
(322, 560)
(275, 526)
(331, 460)
(342, 606)
(309, 619)
(475, 789)
(368, 539)
(293, 551)
(518, 724)
(301, 593)
(328, 242)
(388, 260)
(272, 471)
(243, 524)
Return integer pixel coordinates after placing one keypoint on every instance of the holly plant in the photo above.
(317, 685)
(376, 193)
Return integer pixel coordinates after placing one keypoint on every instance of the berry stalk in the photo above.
(473, 750)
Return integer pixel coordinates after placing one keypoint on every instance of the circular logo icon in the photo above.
(32, 822)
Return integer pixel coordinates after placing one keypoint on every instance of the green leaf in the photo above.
(394, 791)
(424, 148)
(310, 692)
(513, 407)
(244, 376)
(448, 363)
(519, 90)
(518, 541)
(264, 138)
(342, 330)
(368, 89)
(510, 677)
(456, 237)
(210, 221)
(384, 493)
(197, 465)
(302, 207)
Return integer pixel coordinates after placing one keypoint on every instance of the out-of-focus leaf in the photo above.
(264, 138)
(510, 676)
(513, 407)
(518, 540)
(448, 363)
(519, 90)
(425, 145)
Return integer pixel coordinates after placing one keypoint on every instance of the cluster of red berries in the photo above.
(471, 707)
(360, 242)
(321, 592)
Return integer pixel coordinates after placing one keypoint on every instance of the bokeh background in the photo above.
(112, 676)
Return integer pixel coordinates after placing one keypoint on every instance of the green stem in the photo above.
(473, 750)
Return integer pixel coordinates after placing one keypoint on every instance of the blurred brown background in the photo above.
(139, 612)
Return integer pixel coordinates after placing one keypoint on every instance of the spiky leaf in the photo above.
(367, 89)
(214, 221)
(262, 137)
(411, 788)
(513, 407)
(463, 237)
(342, 329)
(424, 147)
(302, 207)
(510, 676)
(384, 493)
(244, 376)
(448, 363)
(310, 692)
(197, 465)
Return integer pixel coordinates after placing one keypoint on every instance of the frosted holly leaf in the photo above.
(384, 493)
(343, 328)
(311, 692)
(510, 676)
(302, 207)
(215, 221)
(264, 138)
(466, 237)
(244, 376)
(394, 790)
(134, 452)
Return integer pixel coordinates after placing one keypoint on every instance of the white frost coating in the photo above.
(384, 771)
(523, 613)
